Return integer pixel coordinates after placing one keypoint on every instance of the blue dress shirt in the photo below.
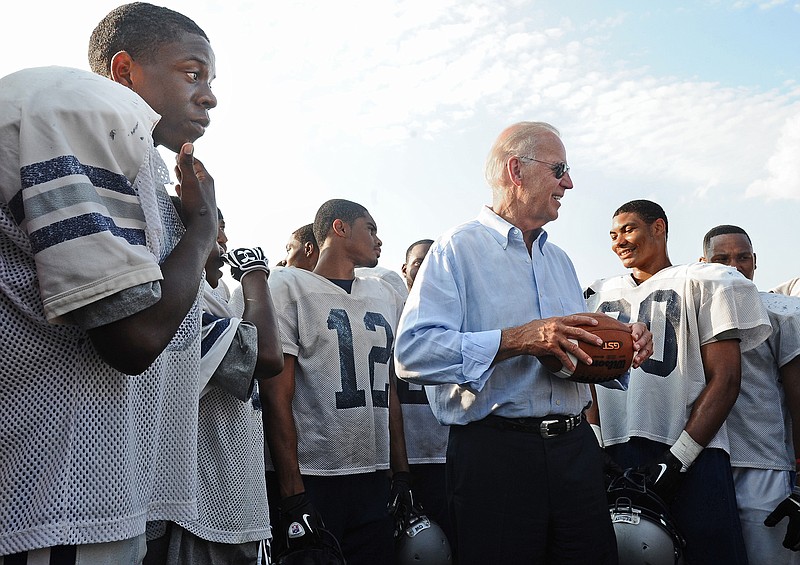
(477, 279)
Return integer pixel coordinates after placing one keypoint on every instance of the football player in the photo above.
(426, 438)
(790, 287)
(100, 282)
(670, 421)
(415, 255)
(302, 250)
(762, 442)
(240, 344)
(332, 420)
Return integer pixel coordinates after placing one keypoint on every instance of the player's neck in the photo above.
(332, 266)
(641, 274)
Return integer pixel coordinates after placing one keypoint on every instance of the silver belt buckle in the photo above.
(544, 428)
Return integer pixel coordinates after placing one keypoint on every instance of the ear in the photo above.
(659, 227)
(340, 228)
(754, 261)
(403, 269)
(514, 171)
(308, 248)
(122, 65)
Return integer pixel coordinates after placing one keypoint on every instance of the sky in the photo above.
(395, 104)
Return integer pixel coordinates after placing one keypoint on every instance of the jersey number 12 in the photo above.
(351, 396)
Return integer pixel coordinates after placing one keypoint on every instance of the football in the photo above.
(609, 361)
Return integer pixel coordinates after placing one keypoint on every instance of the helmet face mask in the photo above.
(328, 552)
(423, 543)
(643, 526)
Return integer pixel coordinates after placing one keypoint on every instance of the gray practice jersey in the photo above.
(87, 454)
(685, 307)
(758, 425)
(232, 497)
(343, 344)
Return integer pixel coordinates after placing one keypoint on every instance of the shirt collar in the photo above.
(501, 229)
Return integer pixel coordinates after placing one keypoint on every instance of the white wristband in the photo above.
(598, 433)
(686, 449)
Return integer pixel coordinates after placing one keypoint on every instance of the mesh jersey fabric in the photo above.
(68, 165)
(232, 496)
(790, 287)
(684, 306)
(387, 275)
(759, 426)
(87, 454)
(426, 438)
(343, 344)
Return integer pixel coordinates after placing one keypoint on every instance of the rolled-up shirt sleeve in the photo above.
(477, 279)
(430, 347)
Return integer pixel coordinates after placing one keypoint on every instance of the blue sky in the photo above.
(733, 43)
(695, 105)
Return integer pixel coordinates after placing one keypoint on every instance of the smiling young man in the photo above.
(332, 419)
(764, 424)
(100, 337)
(671, 420)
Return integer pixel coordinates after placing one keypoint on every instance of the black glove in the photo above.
(664, 476)
(245, 260)
(401, 502)
(790, 508)
(300, 522)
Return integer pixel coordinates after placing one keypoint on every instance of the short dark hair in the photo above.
(724, 229)
(413, 245)
(647, 210)
(305, 235)
(138, 28)
(336, 209)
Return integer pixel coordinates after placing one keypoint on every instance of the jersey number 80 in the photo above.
(672, 309)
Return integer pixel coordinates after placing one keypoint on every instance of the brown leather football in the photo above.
(609, 361)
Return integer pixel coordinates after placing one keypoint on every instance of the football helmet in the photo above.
(644, 528)
(327, 552)
(423, 543)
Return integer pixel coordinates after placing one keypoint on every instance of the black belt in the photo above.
(549, 426)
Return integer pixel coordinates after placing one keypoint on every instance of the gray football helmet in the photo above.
(423, 543)
(326, 552)
(645, 532)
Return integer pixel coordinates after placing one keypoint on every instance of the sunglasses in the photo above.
(559, 169)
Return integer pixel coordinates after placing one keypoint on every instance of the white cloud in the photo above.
(319, 100)
(760, 4)
(424, 68)
(783, 166)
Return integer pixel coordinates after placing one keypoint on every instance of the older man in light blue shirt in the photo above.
(525, 479)
(481, 278)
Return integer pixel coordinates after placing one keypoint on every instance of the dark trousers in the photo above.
(704, 509)
(516, 497)
(354, 509)
(429, 488)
